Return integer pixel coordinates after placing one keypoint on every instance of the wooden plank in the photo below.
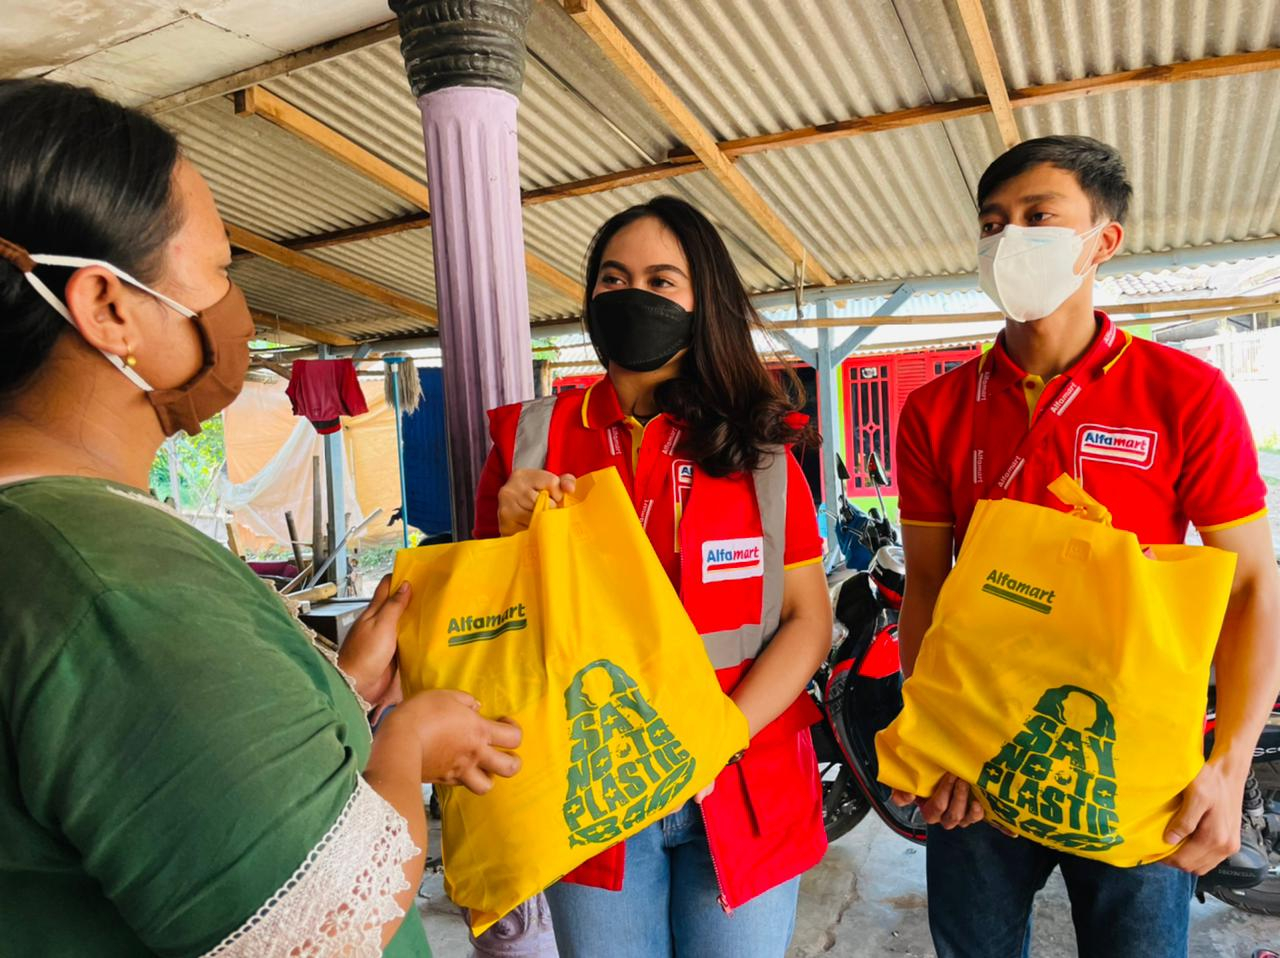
(1241, 304)
(398, 224)
(857, 126)
(984, 51)
(274, 69)
(613, 181)
(269, 322)
(260, 245)
(589, 15)
(875, 349)
(1209, 68)
(683, 161)
(256, 101)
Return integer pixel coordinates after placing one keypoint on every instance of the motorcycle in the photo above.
(859, 687)
(859, 691)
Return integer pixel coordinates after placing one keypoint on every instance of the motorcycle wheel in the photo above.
(1262, 899)
(843, 805)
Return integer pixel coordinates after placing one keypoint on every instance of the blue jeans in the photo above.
(981, 884)
(668, 906)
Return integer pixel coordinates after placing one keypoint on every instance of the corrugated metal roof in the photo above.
(295, 296)
(1200, 174)
(271, 182)
(1203, 155)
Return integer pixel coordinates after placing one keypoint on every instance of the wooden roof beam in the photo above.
(683, 161)
(329, 273)
(1238, 304)
(274, 69)
(270, 322)
(256, 101)
(984, 51)
(589, 15)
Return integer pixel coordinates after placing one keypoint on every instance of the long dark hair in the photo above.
(80, 175)
(733, 405)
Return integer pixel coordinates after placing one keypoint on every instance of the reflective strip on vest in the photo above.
(730, 647)
(533, 434)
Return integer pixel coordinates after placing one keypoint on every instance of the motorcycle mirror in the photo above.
(874, 472)
(841, 471)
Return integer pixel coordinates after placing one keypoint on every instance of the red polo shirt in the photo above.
(1157, 436)
(590, 431)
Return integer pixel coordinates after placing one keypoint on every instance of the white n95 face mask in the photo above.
(1030, 271)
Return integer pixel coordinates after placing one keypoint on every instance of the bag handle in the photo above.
(541, 506)
(1083, 505)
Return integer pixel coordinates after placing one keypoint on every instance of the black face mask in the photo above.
(639, 330)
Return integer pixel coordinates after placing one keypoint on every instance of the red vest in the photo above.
(764, 819)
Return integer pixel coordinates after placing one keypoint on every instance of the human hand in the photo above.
(459, 745)
(368, 655)
(519, 495)
(701, 796)
(952, 804)
(1209, 820)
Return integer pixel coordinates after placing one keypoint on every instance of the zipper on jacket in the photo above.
(715, 865)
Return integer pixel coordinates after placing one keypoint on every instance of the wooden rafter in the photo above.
(589, 15)
(1240, 305)
(329, 273)
(984, 51)
(274, 69)
(256, 101)
(682, 162)
(270, 322)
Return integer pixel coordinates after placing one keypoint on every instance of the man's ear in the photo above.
(1109, 242)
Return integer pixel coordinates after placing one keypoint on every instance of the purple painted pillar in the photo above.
(465, 60)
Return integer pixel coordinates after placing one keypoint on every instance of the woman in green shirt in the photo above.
(181, 771)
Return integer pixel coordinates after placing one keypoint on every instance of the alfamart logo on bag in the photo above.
(1057, 779)
(466, 629)
(627, 764)
(727, 559)
(1004, 586)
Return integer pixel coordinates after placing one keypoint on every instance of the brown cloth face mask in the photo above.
(225, 329)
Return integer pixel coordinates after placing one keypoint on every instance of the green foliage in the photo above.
(200, 461)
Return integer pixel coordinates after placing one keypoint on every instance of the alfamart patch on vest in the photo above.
(463, 630)
(1029, 596)
(725, 560)
(626, 763)
(1057, 779)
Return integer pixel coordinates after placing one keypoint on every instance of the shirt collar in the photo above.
(1109, 343)
(600, 407)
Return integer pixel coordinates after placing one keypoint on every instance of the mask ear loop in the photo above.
(1085, 237)
(74, 262)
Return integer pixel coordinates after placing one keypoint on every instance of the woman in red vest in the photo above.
(698, 429)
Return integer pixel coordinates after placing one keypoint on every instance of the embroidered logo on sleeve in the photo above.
(727, 559)
(1118, 444)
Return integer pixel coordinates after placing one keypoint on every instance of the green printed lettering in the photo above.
(1102, 751)
(1070, 747)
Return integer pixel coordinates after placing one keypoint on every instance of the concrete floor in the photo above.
(867, 898)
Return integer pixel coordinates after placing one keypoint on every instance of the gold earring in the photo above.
(130, 359)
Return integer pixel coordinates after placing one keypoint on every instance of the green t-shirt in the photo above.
(171, 745)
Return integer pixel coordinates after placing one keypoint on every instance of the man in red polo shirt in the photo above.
(1160, 438)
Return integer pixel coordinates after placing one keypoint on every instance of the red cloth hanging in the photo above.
(323, 390)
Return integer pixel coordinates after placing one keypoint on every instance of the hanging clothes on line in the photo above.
(323, 390)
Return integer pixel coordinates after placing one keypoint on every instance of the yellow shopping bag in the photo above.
(573, 630)
(1065, 676)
